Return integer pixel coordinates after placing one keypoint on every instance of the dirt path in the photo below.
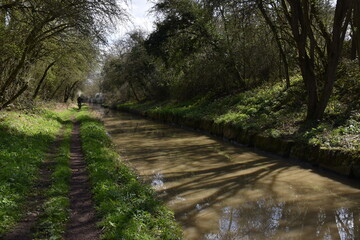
(24, 229)
(82, 224)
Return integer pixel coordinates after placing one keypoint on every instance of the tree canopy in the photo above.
(51, 38)
(216, 48)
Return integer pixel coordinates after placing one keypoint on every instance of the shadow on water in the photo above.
(222, 191)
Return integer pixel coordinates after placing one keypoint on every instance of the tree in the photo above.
(132, 68)
(278, 39)
(27, 26)
(42, 79)
(319, 47)
(356, 29)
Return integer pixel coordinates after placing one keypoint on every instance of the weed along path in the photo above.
(222, 191)
(82, 224)
(25, 228)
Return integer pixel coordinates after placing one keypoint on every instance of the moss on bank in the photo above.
(128, 208)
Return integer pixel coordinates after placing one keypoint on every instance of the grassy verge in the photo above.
(273, 111)
(52, 222)
(24, 142)
(128, 208)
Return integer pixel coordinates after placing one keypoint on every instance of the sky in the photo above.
(139, 16)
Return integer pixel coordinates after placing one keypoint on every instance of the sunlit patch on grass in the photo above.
(24, 141)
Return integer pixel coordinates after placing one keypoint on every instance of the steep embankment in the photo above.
(271, 119)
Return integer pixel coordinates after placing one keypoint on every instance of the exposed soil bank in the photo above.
(344, 162)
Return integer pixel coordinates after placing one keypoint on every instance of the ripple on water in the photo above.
(157, 181)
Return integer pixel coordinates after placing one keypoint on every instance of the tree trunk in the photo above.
(134, 93)
(68, 91)
(30, 43)
(309, 78)
(42, 80)
(277, 40)
(353, 49)
(13, 98)
(356, 22)
(230, 52)
(341, 22)
(56, 90)
(307, 46)
(13, 75)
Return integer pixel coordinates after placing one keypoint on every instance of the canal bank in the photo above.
(222, 191)
(342, 161)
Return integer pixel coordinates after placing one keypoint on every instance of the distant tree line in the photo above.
(47, 48)
(221, 47)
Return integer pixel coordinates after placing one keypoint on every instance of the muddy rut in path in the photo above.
(82, 224)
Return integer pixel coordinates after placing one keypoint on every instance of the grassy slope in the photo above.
(271, 110)
(128, 208)
(24, 141)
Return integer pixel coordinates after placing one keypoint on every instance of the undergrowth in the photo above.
(128, 208)
(272, 110)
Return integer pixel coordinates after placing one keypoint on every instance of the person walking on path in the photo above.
(79, 101)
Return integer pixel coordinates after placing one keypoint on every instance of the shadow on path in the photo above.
(82, 224)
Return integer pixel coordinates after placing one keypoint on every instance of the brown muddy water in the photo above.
(222, 191)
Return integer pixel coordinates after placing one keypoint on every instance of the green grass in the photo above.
(274, 111)
(128, 209)
(24, 141)
(55, 210)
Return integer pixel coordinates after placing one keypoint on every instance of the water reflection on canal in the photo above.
(221, 191)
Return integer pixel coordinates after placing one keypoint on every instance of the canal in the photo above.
(219, 190)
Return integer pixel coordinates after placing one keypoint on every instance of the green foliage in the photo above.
(24, 140)
(130, 72)
(128, 208)
(34, 34)
(345, 135)
(198, 48)
(222, 48)
(257, 109)
(270, 110)
(347, 88)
